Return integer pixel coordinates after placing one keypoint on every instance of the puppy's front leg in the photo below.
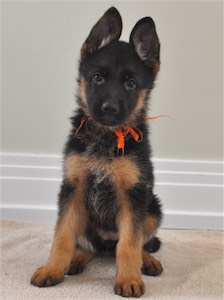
(70, 223)
(128, 281)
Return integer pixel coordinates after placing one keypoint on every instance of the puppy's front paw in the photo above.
(46, 276)
(129, 288)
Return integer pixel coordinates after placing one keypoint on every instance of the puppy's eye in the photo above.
(131, 84)
(97, 78)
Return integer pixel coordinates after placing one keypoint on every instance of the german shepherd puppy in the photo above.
(106, 202)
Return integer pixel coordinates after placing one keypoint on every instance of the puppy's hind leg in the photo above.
(80, 259)
(151, 266)
(152, 245)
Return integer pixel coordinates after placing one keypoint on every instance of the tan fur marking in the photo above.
(141, 100)
(83, 85)
(83, 97)
(129, 250)
(128, 259)
(70, 226)
(128, 255)
(125, 173)
(65, 239)
(76, 173)
(156, 67)
(122, 171)
(75, 169)
(139, 105)
(150, 226)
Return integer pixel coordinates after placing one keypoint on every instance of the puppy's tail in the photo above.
(152, 245)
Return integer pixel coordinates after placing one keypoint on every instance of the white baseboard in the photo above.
(191, 191)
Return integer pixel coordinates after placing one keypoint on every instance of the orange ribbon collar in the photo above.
(121, 134)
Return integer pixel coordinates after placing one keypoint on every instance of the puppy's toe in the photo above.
(129, 288)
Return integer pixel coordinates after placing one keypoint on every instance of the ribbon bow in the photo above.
(135, 133)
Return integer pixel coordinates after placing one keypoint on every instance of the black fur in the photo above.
(152, 245)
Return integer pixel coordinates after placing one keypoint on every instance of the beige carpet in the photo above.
(192, 261)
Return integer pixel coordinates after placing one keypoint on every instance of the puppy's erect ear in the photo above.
(104, 32)
(146, 43)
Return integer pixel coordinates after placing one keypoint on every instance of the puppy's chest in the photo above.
(105, 183)
(108, 182)
(101, 199)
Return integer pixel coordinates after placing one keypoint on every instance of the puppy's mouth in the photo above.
(109, 120)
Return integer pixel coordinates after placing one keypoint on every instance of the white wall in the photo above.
(40, 49)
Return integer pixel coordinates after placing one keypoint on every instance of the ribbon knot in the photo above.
(135, 133)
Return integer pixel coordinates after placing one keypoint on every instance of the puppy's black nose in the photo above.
(110, 108)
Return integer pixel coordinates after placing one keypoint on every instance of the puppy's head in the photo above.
(116, 77)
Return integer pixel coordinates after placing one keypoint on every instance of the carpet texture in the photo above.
(192, 261)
